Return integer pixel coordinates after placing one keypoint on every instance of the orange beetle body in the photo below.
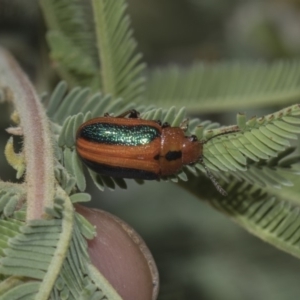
(135, 148)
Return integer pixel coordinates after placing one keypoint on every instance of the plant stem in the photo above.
(37, 144)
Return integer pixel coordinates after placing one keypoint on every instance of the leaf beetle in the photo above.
(129, 147)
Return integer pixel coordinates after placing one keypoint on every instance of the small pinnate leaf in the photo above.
(224, 86)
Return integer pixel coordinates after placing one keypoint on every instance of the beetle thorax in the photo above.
(177, 150)
(191, 151)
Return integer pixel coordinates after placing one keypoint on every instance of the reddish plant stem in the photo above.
(37, 145)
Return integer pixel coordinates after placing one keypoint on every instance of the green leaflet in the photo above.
(73, 65)
(10, 196)
(121, 68)
(36, 251)
(56, 98)
(22, 291)
(72, 39)
(54, 253)
(66, 181)
(224, 86)
(99, 53)
(260, 211)
(61, 106)
(73, 101)
(80, 197)
(260, 139)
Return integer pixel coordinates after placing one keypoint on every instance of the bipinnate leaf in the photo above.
(251, 151)
(224, 86)
(96, 48)
(262, 211)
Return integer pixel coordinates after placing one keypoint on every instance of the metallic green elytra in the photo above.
(116, 134)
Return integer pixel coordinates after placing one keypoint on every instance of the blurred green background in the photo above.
(200, 253)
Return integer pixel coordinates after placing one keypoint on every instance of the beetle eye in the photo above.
(194, 138)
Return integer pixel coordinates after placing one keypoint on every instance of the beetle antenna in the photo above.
(213, 178)
(234, 130)
(208, 173)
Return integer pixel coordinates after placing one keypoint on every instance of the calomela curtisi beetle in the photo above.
(131, 147)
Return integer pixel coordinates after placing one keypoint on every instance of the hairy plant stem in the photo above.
(37, 145)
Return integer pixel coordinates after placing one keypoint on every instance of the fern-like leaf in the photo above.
(253, 151)
(256, 144)
(100, 54)
(72, 40)
(120, 66)
(224, 86)
(263, 213)
(48, 259)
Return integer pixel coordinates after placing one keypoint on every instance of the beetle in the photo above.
(127, 146)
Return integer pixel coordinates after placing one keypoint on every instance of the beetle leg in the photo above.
(184, 125)
(212, 178)
(132, 114)
(163, 125)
